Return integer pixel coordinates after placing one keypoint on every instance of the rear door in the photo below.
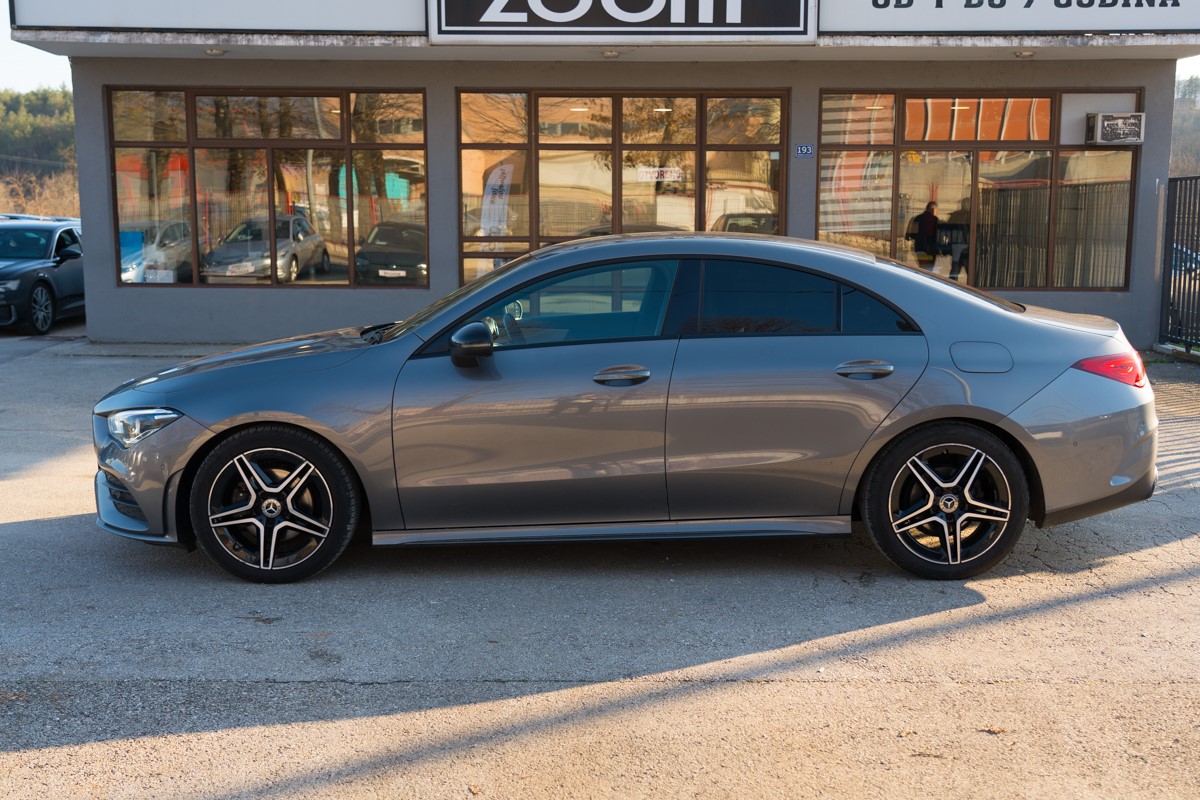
(777, 387)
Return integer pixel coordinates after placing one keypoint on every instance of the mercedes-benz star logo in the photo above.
(272, 508)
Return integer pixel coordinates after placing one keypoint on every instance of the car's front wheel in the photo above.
(274, 504)
(41, 309)
(946, 501)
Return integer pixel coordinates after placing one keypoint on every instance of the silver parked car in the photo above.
(244, 254)
(643, 386)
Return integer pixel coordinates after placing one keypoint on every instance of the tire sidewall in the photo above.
(326, 460)
(876, 498)
(33, 326)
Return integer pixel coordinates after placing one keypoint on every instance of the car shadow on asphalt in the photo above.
(157, 641)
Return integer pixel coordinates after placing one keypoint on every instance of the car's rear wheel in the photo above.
(41, 309)
(274, 504)
(946, 501)
(324, 262)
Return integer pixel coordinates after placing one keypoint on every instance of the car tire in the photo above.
(41, 309)
(274, 504)
(946, 501)
(324, 268)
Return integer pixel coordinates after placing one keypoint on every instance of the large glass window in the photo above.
(746, 298)
(240, 199)
(946, 197)
(539, 168)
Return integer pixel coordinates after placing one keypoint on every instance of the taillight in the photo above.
(1124, 367)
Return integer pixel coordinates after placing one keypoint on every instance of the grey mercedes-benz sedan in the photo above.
(643, 386)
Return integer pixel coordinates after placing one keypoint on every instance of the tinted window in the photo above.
(23, 243)
(615, 301)
(862, 313)
(742, 297)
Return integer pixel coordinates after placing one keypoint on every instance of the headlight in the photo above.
(130, 427)
(8, 286)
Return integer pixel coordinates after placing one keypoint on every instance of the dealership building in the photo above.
(400, 149)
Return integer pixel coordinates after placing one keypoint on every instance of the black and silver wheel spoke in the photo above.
(949, 504)
(270, 508)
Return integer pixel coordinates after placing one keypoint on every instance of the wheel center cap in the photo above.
(948, 503)
(272, 508)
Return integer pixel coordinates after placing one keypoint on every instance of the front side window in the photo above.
(615, 301)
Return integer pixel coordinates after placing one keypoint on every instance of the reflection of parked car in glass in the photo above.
(41, 272)
(606, 229)
(244, 254)
(393, 253)
(156, 251)
(757, 222)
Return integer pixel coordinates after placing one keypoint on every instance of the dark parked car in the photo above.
(244, 254)
(393, 254)
(41, 272)
(643, 386)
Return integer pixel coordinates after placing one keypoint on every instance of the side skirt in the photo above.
(684, 529)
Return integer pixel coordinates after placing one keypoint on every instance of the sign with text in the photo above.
(387, 16)
(1008, 16)
(621, 21)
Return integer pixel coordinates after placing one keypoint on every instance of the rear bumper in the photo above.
(1135, 492)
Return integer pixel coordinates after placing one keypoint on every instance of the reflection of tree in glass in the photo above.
(495, 118)
(744, 120)
(644, 123)
(387, 118)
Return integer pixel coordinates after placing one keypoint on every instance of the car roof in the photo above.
(39, 223)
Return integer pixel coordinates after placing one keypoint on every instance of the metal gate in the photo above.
(1181, 264)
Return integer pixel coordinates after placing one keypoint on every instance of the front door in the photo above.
(562, 424)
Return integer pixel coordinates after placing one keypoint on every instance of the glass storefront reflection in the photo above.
(387, 118)
(856, 199)
(494, 118)
(232, 218)
(742, 191)
(658, 120)
(575, 193)
(744, 120)
(1013, 225)
(1091, 234)
(154, 215)
(390, 218)
(268, 117)
(934, 197)
(495, 193)
(149, 116)
(574, 120)
(658, 191)
(310, 192)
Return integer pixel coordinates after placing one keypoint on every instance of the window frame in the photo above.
(616, 147)
(192, 142)
(1054, 144)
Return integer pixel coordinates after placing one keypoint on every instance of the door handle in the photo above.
(865, 369)
(625, 375)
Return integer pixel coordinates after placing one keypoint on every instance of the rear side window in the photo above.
(742, 297)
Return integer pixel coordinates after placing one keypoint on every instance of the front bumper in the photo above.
(137, 489)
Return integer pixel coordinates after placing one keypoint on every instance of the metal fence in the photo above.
(1181, 264)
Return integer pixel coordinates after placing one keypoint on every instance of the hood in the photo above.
(261, 363)
(14, 269)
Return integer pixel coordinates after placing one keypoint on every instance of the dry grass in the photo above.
(51, 195)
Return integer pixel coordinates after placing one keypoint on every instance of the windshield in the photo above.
(252, 231)
(433, 309)
(19, 243)
(1007, 305)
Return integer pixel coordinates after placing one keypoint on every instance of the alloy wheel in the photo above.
(949, 504)
(41, 309)
(270, 508)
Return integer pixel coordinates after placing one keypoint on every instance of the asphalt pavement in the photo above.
(783, 668)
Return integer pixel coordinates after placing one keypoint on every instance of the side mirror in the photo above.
(470, 343)
(69, 253)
